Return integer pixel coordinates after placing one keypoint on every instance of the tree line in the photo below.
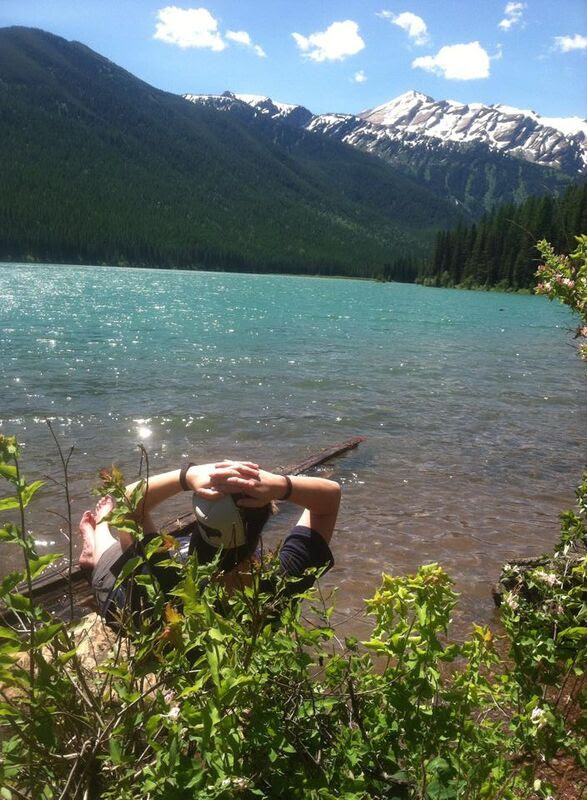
(500, 251)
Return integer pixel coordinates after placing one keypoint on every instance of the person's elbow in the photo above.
(334, 495)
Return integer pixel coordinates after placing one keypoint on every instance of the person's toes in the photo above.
(103, 507)
(88, 520)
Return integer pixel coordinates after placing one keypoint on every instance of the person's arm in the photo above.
(319, 497)
(165, 485)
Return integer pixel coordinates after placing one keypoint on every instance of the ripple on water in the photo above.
(473, 404)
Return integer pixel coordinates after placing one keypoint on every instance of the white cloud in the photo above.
(360, 77)
(337, 42)
(188, 27)
(567, 43)
(242, 37)
(458, 62)
(412, 24)
(513, 13)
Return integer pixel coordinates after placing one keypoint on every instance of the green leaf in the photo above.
(212, 657)
(38, 565)
(130, 565)
(9, 533)
(8, 633)
(18, 601)
(573, 633)
(30, 491)
(9, 502)
(115, 751)
(46, 633)
(8, 472)
(63, 658)
(10, 582)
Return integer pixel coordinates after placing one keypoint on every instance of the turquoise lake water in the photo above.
(473, 404)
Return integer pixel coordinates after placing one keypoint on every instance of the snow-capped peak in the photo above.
(519, 132)
(414, 118)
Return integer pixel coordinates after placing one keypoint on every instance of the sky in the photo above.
(338, 55)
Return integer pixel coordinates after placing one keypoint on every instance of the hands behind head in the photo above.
(210, 480)
(236, 477)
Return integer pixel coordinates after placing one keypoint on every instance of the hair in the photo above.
(254, 520)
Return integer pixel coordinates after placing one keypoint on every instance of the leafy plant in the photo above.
(564, 278)
(223, 695)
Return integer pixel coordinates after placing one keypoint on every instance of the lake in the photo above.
(473, 405)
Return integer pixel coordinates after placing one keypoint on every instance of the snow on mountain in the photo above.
(550, 141)
(285, 112)
(413, 118)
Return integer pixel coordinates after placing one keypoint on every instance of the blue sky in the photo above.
(338, 55)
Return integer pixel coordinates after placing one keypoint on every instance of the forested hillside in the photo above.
(99, 167)
(500, 250)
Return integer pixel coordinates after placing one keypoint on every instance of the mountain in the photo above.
(98, 166)
(523, 134)
(478, 156)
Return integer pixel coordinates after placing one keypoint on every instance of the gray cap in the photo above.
(220, 522)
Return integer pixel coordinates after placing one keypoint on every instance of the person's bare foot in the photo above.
(87, 526)
(103, 507)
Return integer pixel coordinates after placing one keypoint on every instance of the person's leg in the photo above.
(103, 538)
(87, 528)
(96, 534)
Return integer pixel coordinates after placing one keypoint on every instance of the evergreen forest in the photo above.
(500, 251)
(99, 167)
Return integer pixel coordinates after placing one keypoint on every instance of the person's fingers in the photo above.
(209, 494)
(248, 485)
(223, 473)
(238, 470)
(230, 463)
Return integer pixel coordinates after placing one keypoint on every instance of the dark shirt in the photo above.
(303, 549)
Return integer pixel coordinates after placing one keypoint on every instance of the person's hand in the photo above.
(211, 480)
(259, 490)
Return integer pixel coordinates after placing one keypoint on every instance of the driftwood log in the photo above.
(51, 589)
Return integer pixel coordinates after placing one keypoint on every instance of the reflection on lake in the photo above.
(473, 404)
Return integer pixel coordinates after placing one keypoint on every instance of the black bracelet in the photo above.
(183, 476)
(288, 488)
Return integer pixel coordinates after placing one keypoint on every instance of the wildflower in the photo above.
(547, 286)
(549, 578)
(169, 696)
(511, 600)
(553, 607)
(538, 717)
(570, 284)
(583, 331)
(173, 712)
(236, 783)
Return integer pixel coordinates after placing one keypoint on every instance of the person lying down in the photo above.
(232, 501)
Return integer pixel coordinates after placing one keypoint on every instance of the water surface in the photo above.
(473, 403)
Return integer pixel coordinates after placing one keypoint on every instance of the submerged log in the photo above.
(51, 589)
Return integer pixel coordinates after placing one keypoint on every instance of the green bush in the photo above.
(223, 696)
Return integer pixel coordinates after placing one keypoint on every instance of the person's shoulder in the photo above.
(303, 548)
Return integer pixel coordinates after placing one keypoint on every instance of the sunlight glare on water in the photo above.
(473, 404)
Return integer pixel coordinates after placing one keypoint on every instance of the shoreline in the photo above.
(269, 274)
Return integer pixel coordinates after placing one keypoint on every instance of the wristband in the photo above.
(288, 489)
(183, 476)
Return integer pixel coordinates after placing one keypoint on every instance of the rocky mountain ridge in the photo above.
(416, 120)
